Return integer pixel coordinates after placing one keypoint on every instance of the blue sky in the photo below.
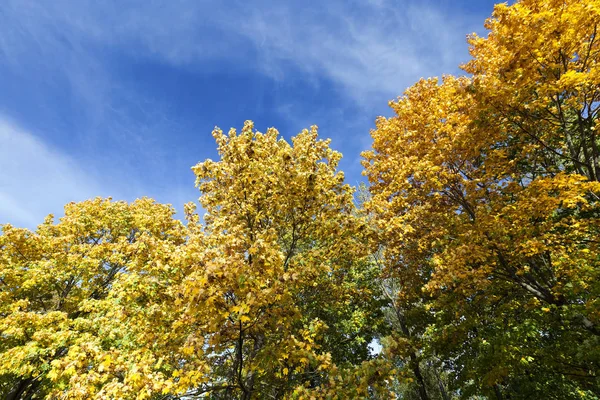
(119, 98)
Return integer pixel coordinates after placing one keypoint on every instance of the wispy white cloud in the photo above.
(367, 48)
(366, 51)
(37, 180)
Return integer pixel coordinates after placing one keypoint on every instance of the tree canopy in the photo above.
(471, 258)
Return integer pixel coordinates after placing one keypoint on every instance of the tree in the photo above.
(282, 297)
(71, 296)
(486, 194)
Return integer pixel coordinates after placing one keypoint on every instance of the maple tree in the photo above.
(284, 289)
(486, 195)
(73, 296)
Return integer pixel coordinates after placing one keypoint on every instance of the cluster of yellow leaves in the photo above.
(73, 308)
(487, 187)
(371, 379)
(536, 75)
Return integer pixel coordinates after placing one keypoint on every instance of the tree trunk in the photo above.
(414, 360)
(441, 386)
(421, 382)
(24, 390)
